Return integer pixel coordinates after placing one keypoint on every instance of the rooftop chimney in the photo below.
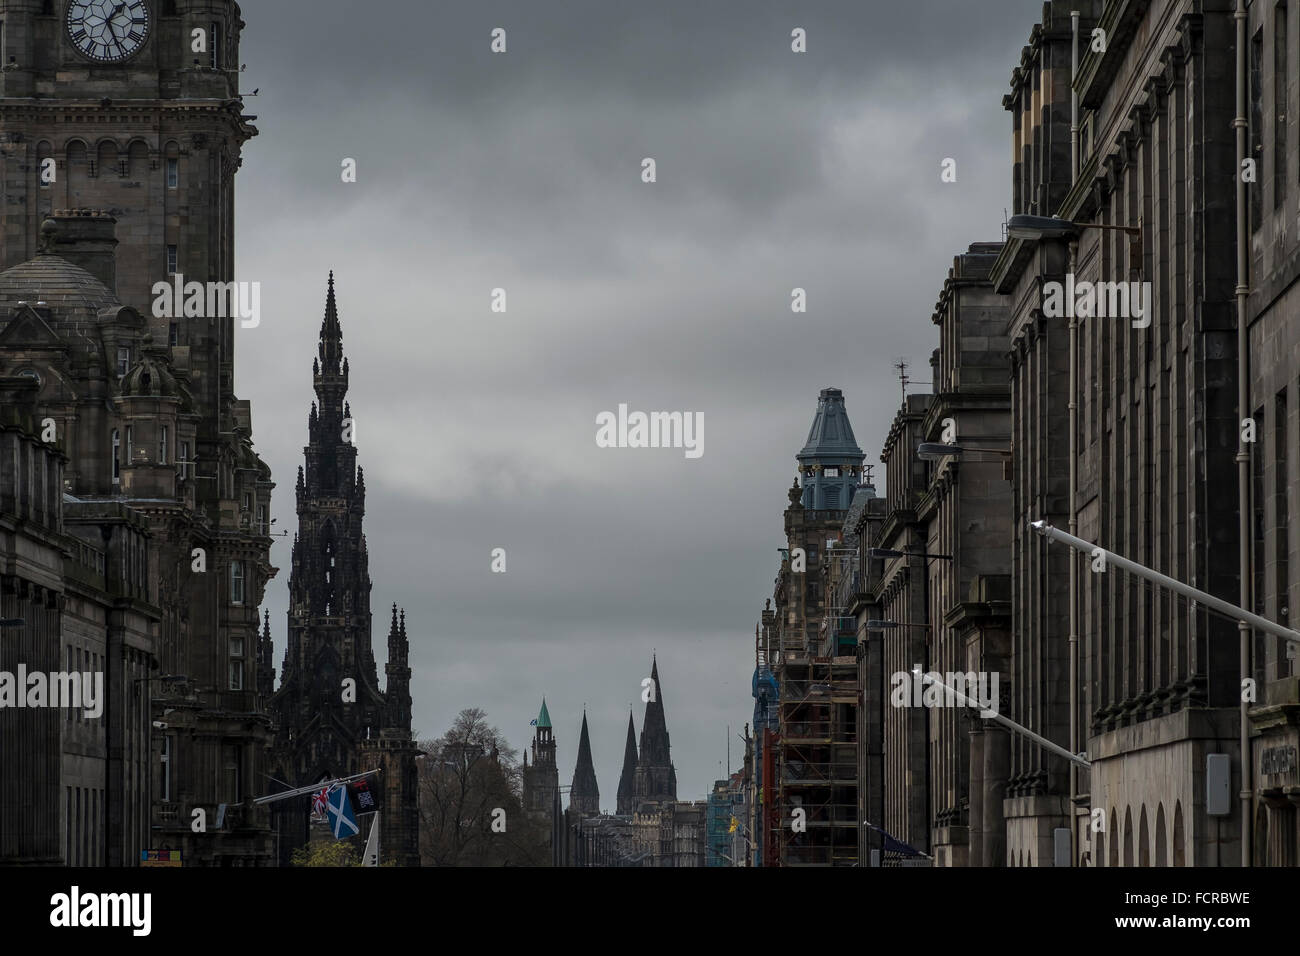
(85, 237)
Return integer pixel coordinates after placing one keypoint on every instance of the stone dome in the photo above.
(152, 376)
(149, 376)
(63, 287)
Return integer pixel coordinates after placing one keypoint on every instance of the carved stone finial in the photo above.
(49, 233)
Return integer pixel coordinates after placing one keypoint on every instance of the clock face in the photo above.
(108, 30)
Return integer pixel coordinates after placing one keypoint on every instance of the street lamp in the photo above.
(886, 553)
(1036, 228)
(937, 451)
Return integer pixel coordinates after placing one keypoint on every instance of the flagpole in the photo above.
(314, 788)
(372, 843)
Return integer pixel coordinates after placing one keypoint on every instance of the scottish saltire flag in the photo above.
(342, 820)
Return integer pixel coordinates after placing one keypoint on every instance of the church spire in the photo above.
(331, 333)
(584, 795)
(627, 781)
(656, 779)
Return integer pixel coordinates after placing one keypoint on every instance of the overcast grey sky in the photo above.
(522, 171)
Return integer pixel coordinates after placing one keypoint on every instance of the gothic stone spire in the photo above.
(627, 782)
(584, 796)
(656, 780)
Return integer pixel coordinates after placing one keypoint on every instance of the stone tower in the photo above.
(627, 780)
(333, 719)
(542, 777)
(117, 164)
(830, 461)
(584, 795)
(143, 129)
(655, 780)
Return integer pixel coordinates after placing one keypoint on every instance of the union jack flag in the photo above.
(319, 801)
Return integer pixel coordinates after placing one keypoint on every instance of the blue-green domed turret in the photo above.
(830, 462)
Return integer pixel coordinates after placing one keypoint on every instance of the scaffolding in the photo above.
(816, 762)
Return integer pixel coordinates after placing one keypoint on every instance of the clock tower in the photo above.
(131, 108)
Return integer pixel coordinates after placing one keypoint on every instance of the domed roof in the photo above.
(151, 375)
(831, 435)
(55, 281)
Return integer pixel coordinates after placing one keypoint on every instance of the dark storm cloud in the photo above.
(522, 171)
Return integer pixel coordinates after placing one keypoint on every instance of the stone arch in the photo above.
(1144, 839)
(137, 152)
(44, 151)
(76, 168)
(1162, 841)
(1099, 849)
(106, 156)
(1179, 851)
(1113, 859)
(1128, 836)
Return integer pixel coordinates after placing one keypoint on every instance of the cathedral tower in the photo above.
(656, 780)
(584, 795)
(333, 718)
(627, 780)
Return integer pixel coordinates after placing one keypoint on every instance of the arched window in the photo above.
(1162, 840)
(1179, 857)
(1128, 836)
(1144, 840)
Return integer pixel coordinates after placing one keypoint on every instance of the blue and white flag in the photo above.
(342, 820)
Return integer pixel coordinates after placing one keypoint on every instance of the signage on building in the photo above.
(160, 858)
(1277, 760)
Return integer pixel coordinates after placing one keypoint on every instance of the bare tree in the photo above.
(470, 808)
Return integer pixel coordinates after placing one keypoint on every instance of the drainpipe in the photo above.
(1243, 401)
(1074, 450)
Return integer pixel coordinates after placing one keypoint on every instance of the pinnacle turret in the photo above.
(830, 462)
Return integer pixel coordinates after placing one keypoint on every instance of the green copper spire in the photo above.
(544, 718)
